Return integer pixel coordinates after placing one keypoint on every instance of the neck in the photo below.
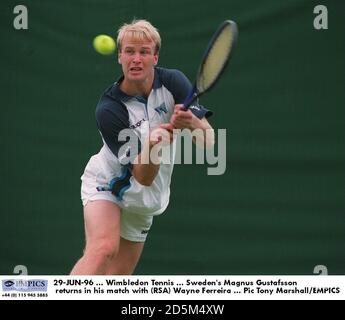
(137, 88)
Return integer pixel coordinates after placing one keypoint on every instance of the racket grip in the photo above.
(189, 100)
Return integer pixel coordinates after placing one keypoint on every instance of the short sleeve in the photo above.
(113, 123)
(179, 85)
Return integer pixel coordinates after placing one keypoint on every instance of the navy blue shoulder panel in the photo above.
(179, 85)
(111, 117)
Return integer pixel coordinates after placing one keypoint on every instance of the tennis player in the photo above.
(120, 192)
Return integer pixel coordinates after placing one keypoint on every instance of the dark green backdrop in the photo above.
(280, 206)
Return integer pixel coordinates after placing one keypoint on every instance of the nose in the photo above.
(137, 57)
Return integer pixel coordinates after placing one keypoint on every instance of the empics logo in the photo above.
(8, 283)
(24, 285)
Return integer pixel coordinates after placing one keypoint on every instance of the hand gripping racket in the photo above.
(214, 61)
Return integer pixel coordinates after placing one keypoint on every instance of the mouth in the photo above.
(135, 69)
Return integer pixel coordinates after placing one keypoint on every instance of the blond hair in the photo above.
(139, 30)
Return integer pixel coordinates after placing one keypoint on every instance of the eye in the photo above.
(129, 51)
(145, 52)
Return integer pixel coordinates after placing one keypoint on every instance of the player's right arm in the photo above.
(144, 162)
(147, 163)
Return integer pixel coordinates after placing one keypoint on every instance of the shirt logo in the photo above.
(136, 125)
(162, 108)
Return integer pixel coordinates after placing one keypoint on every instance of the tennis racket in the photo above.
(214, 61)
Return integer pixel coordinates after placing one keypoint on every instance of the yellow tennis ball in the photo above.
(104, 44)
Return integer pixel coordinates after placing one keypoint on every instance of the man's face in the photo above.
(137, 58)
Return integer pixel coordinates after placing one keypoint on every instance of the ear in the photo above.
(119, 57)
(155, 59)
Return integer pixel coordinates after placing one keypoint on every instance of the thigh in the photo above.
(102, 221)
(134, 230)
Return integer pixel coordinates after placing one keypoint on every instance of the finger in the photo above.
(167, 126)
(179, 124)
(184, 115)
(178, 107)
(164, 134)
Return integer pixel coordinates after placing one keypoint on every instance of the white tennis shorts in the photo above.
(134, 226)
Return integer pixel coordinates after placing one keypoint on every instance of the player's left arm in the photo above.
(202, 131)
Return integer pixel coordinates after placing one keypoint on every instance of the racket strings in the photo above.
(216, 59)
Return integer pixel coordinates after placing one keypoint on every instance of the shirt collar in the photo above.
(156, 81)
(116, 92)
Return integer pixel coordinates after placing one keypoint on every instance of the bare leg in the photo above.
(126, 260)
(102, 228)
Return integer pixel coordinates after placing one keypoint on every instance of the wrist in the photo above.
(196, 123)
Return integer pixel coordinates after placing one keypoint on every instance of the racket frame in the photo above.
(195, 93)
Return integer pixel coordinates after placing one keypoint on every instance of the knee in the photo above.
(103, 249)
